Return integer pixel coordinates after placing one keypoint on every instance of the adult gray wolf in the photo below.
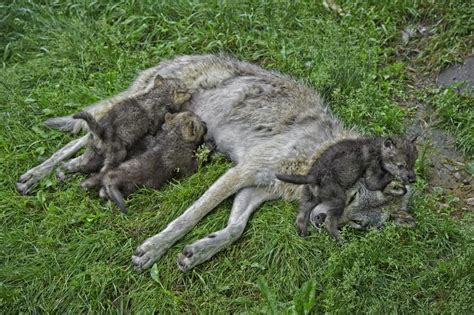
(264, 121)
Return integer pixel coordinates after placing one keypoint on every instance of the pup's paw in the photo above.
(403, 218)
(395, 188)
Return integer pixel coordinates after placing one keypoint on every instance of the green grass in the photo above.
(455, 112)
(65, 251)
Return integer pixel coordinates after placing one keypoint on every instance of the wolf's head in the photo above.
(398, 158)
(170, 92)
(188, 124)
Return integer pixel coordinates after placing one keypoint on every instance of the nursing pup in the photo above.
(128, 121)
(170, 154)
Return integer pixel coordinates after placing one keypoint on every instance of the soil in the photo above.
(446, 172)
(462, 74)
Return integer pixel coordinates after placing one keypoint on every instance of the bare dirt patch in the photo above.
(446, 168)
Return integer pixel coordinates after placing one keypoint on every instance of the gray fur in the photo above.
(266, 122)
(170, 154)
(369, 209)
(374, 161)
(129, 121)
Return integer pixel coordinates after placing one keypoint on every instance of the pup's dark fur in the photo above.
(130, 120)
(170, 155)
(374, 161)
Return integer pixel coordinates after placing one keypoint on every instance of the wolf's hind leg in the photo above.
(89, 162)
(32, 176)
(307, 203)
(245, 203)
(228, 184)
(115, 154)
(333, 217)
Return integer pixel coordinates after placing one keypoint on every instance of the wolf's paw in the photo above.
(395, 188)
(23, 188)
(61, 173)
(146, 254)
(185, 261)
(25, 177)
(201, 250)
(27, 181)
(404, 219)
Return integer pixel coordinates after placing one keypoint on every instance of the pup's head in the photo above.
(188, 124)
(173, 91)
(398, 158)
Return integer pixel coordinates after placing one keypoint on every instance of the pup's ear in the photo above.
(189, 131)
(159, 81)
(389, 143)
(181, 96)
(169, 117)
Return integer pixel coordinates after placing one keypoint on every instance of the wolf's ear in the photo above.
(159, 81)
(389, 143)
(413, 140)
(168, 117)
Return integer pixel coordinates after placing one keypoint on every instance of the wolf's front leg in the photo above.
(89, 162)
(228, 184)
(34, 175)
(402, 216)
(245, 203)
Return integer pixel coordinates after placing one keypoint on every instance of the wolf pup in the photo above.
(130, 120)
(373, 161)
(171, 154)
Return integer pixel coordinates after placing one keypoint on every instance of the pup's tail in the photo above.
(91, 122)
(296, 179)
(116, 196)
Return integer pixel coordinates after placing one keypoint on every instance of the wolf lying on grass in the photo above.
(375, 162)
(170, 153)
(265, 122)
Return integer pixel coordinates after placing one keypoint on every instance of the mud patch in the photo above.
(445, 167)
(461, 75)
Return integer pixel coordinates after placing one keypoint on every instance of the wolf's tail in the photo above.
(97, 129)
(116, 196)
